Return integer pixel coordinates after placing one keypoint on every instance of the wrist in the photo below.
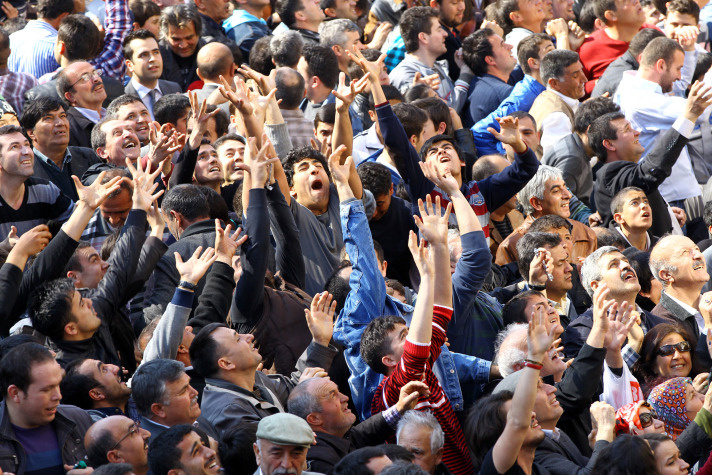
(225, 259)
(188, 280)
(520, 147)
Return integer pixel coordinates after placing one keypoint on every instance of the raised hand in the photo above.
(32, 242)
(340, 168)
(539, 340)
(195, 268)
(265, 83)
(199, 119)
(686, 36)
(164, 142)
(345, 95)
(155, 220)
(540, 267)
(226, 244)
(320, 318)
(432, 224)
(310, 372)
(421, 255)
(620, 322)
(237, 95)
(445, 181)
(373, 68)
(324, 147)
(380, 35)
(509, 133)
(258, 161)
(698, 100)
(432, 81)
(144, 185)
(605, 420)
(409, 395)
(576, 35)
(95, 194)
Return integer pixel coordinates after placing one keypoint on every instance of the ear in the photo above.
(594, 285)
(101, 151)
(338, 51)
(225, 364)
(413, 140)
(441, 128)
(533, 64)
(96, 394)
(666, 276)
(256, 449)
(113, 457)
(329, 12)
(618, 218)
(434, 4)
(610, 16)
(73, 275)
(439, 456)
(129, 65)
(515, 17)
(384, 266)
(13, 393)
(490, 61)
(314, 419)
(660, 65)
(182, 349)
(71, 328)
(299, 15)
(69, 97)
(136, 26)
(609, 145)
(536, 203)
(422, 37)
(389, 361)
(157, 409)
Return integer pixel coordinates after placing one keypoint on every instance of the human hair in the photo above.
(550, 223)
(74, 263)
(227, 138)
(707, 214)
(417, 91)
(412, 118)
(75, 386)
(113, 469)
(640, 262)
(333, 32)
(507, 358)
(354, 463)
(591, 109)
(326, 114)
(375, 177)
(171, 108)
(555, 62)
(181, 15)
(204, 350)
(655, 439)
(140, 34)
(38, 108)
(290, 88)
(485, 423)
(591, 269)
(142, 10)
(222, 121)
(287, 9)
(414, 21)
(81, 37)
(660, 48)
(286, 48)
(536, 187)
(626, 455)
(600, 130)
(601, 7)
(98, 446)
(13, 341)
(618, 199)
(527, 246)
(297, 155)
(685, 7)
(376, 341)
(125, 99)
(50, 307)
(235, 449)
(587, 18)
(16, 366)
(513, 311)
(392, 94)
(485, 166)
(302, 400)
(504, 8)
(644, 368)
(217, 207)
(528, 48)
(163, 453)
(423, 419)
(438, 112)
(403, 468)
(642, 38)
(476, 48)
(148, 384)
(187, 200)
(338, 286)
(63, 85)
(703, 64)
(52, 9)
(609, 237)
(430, 143)
(261, 56)
(98, 134)
(322, 63)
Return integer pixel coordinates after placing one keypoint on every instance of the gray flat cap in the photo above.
(285, 429)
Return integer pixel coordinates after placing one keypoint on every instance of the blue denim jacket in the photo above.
(368, 300)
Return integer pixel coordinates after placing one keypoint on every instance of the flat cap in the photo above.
(509, 383)
(285, 429)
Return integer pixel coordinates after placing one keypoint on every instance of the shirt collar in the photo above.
(572, 103)
(687, 308)
(561, 307)
(552, 434)
(143, 90)
(45, 159)
(647, 238)
(90, 114)
(642, 84)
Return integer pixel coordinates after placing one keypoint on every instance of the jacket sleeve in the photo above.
(470, 273)
(214, 301)
(658, 164)
(151, 252)
(581, 381)
(694, 442)
(373, 431)
(10, 279)
(184, 167)
(286, 233)
(498, 189)
(169, 332)
(559, 464)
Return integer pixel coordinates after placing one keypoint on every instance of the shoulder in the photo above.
(169, 87)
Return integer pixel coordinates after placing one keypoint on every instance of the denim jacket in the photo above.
(368, 300)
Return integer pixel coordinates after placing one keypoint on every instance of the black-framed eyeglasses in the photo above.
(133, 429)
(86, 77)
(682, 347)
(646, 418)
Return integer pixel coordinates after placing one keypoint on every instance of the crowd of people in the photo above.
(355, 237)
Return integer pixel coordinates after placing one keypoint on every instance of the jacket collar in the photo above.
(200, 227)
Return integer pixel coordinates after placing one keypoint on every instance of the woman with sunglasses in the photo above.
(666, 353)
(638, 418)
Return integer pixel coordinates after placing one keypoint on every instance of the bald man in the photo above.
(505, 219)
(117, 439)
(290, 88)
(215, 60)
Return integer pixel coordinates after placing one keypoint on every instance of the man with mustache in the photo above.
(80, 85)
(282, 444)
(118, 439)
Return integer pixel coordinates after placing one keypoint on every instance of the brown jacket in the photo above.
(515, 219)
(546, 103)
(583, 237)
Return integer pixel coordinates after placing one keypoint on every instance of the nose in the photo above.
(192, 391)
(88, 303)
(249, 338)
(145, 435)
(567, 193)
(113, 368)
(104, 265)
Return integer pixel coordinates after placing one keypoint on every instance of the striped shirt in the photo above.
(33, 49)
(42, 201)
(416, 365)
(13, 87)
(477, 203)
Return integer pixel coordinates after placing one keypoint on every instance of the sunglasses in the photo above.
(646, 418)
(667, 350)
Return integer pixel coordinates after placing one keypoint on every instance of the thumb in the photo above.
(416, 78)
(179, 260)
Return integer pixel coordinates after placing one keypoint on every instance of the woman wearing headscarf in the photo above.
(638, 418)
(677, 403)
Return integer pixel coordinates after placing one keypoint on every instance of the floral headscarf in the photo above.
(669, 400)
(628, 416)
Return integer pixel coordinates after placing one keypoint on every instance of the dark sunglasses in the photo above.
(667, 350)
(646, 418)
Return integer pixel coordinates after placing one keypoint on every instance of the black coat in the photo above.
(79, 128)
(82, 159)
(113, 88)
(670, 311)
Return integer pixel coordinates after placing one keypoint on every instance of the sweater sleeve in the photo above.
(499, 188)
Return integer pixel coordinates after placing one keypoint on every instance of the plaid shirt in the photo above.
(117, 26)
(13, 85)
(396, 54)
(630, 356)
(300, 129)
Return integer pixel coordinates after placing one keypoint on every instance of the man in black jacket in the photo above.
(324, 407)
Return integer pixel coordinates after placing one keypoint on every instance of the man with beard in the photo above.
(118, 439)
(80, 85)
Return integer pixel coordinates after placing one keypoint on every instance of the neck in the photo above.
(555, 295)
(307, 26)
(149, 83)
(537, 75)
(425, 57)
(536, 27)
(54, 23)
(496, 72)
(12, 189)
(104, 404)
(251, 10)
(689, 296)
(56, 154)
(243, 379)
(621, 32)
(335, 432)
(17, 418)
(525, 459)
(77, 337)
(630, 298)
(548, 425)
(638, 238)
(586, 147)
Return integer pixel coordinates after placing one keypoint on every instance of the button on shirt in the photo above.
(144, 94)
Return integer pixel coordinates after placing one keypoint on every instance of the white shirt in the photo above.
(143, 94)
(557, 125)
(91, 114)
(693, 311)
(652, 113)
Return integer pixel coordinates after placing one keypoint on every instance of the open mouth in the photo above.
(317, 185)
(646, 214)
(677, 366)
(212, 464)
(214, 169)
(699, 265)
(129, 144)
(535, 423)
(26, 162)
(628, 275)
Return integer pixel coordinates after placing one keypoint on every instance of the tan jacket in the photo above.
(515, 219)
(546, 103)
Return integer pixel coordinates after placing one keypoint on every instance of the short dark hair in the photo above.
(148, 384)
(430, 143)
(222, 121)
(602, 6)
(81, 37)
(549, 223)
(38, 108)
(660, 48)
(163, 453)
(98, 448)
(354, 463)
(527, 246)
(52, 9)
(414, 21)
(50, 308)
(75, 386)
(216, 203)
(287, 9)
(124, 99)
(600, 130)
(618, 199)
(140, 34)
(702, 65)
(227, 138)
(322, 63)
(590, 110)
(608, 237)
(476, 48)
(16, 366)
(235, 449)
(113, 469)
(375, 177)
(290, 88)
(555, 62)
(412, 118)
(187, 200)
(417, 91)
(170, 108)
(685, 7)
(513, 311)
(587, 17)
(179, 16)
(297, 155)
(204, 350)
(437, 111)
(484, 166)
(626, 455)
(142, 10)
(641, 39)
(640, 262)
(375, 341)
(98, 135)
(391, 92)
(529, 48)
(325, 114)
(286, 48)
(485, 424)
(261, 56)
(504, 9)
(355, 71)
